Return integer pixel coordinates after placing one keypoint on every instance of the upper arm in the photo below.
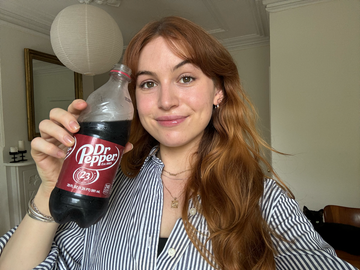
(297, 244)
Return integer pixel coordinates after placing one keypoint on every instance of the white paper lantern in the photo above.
(86, 39)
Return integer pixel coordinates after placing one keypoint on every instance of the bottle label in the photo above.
(90, 166)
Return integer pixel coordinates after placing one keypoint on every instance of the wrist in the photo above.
(41, 200)
(35, 213)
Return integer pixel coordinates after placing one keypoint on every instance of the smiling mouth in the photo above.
(170, 121)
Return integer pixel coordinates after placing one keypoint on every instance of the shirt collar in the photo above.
(152, 157)
(154, 151)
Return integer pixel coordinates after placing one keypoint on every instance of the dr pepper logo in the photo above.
(89, 160)
(97, 156)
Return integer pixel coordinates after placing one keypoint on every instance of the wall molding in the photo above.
(261, 38)
(245, 41)
(261, 17)
(280, 5)
(216, 16)
(19, 20)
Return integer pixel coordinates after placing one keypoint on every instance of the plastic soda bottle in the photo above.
(85, 181)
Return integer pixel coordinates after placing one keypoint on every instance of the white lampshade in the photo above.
(86, 39)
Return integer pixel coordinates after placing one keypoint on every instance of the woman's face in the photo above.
(174, 98)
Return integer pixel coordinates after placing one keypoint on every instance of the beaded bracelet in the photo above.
(34, 213)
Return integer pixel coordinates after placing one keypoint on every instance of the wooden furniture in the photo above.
(344, 215)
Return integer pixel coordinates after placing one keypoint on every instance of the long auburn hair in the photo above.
(227, 170)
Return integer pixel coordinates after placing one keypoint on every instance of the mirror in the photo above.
(49, 84)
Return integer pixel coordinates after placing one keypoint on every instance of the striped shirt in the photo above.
(127, 237)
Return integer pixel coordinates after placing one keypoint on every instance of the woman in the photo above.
(191, 193)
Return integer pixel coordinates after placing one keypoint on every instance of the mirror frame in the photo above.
(30, 102)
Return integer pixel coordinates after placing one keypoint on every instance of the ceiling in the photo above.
(234, 22)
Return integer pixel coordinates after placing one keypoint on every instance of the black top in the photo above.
(162, 242)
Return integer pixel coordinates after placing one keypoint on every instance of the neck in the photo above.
(176, 159)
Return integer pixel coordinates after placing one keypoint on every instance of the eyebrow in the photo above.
(146, 72)
(181, 64)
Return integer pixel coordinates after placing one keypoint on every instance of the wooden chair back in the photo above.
(342, 214)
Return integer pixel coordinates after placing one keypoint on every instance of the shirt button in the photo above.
(171, 252)
(192, 211)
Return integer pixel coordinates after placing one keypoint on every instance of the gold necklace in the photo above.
(175, 179)
(175, 174)
(171, 174)
(174, 202)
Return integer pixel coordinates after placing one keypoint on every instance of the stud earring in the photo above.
(219, 101)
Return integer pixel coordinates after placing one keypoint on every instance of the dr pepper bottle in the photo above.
(86, 178)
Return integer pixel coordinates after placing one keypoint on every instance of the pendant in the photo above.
(174, 203)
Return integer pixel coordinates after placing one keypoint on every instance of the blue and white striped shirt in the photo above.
(127, 237)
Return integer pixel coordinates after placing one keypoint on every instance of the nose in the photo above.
(168, 98)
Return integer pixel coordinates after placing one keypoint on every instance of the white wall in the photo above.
(13, 119)
(315, 101)
(253, 66)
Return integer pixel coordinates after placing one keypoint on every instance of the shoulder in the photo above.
(272, 196)
(271, 190)
(276, 205)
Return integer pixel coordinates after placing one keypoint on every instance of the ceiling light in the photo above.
(86, 39)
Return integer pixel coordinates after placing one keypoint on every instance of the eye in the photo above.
(148, 85)
(186, 79)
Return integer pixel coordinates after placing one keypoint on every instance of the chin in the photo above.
(171, 144)
(178, 142)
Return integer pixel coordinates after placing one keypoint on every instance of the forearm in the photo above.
(31, 242)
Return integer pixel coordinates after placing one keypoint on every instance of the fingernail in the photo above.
(74, 125)
(60, 154)
(68, 139)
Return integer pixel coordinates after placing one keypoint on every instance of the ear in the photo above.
(219, 95)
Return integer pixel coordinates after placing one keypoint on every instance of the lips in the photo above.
(170, 121)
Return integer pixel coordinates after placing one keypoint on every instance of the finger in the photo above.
(42, 148)
(64, 118)
(77, 106)
(128, 147)
(54, 133)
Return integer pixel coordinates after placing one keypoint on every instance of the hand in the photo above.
(49, 150)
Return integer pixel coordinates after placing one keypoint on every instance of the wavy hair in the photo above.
(228, 175)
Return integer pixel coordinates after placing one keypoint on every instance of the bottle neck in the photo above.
(119, 75)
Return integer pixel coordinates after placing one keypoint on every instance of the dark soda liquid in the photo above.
(86, 210)
(116, 131)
